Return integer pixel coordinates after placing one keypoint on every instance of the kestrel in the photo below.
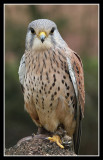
(52, 80)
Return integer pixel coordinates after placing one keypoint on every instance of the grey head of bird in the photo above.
(42, 34)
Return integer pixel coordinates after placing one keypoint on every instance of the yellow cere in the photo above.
(42, 34)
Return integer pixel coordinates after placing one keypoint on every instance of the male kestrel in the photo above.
(51, 76)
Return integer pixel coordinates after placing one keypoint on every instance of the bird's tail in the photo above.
(78, 131)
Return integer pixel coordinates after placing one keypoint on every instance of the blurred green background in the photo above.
(78, 25)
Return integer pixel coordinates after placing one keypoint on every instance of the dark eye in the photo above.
(32, 31)
(52, 30)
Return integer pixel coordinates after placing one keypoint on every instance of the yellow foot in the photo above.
(56, 139)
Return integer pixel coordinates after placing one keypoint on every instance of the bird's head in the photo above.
(42, 34)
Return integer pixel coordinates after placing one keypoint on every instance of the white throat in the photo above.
(38, 45)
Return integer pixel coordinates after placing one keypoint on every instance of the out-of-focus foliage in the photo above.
(78, 25)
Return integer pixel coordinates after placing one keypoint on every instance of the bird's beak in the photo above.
(42, 36)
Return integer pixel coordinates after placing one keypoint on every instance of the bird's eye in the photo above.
(32, 31)
(52, 30)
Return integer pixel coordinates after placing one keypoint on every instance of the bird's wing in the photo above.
(21, 72)
(75, 68)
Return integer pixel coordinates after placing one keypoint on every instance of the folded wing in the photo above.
(75, 68)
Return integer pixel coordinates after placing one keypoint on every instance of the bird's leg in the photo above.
(67, 140)
(56, 139)
(61, 137)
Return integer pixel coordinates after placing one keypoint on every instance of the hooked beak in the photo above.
(42, 36)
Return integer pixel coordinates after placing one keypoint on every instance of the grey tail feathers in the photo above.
(78, 131)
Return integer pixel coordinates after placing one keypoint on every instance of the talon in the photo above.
(57, 140)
